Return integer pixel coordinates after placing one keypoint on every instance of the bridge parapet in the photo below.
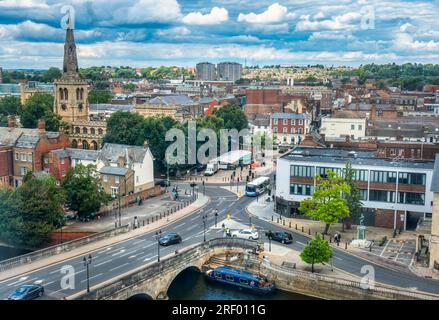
(155, 278)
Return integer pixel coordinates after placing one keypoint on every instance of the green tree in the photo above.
(233, 117)
(51, 74)
(316, 250)
(328, 203)
(126, 128)
(100, 96)
(129, 87)
(31, 212)
(3, 121)
(10, 105)
(84, 191)
(36, 107)
(353, 198)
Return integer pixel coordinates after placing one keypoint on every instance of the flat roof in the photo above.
(329, 156)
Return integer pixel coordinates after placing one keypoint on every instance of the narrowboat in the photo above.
(241, 279)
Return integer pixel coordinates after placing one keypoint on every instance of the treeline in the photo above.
(133, 129)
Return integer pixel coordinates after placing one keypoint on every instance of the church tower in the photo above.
(71, 92)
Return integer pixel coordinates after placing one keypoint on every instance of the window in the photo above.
(23, 157)
(285, 122)
(84, 130)
(300, 122)
(293, 122)
(411, 198)
(293, 131)
(382, 195)
(218, 275)
(275, 129)
(412, 178)
(243, 281)
(114, 191)
(105, 178)
(300, 131)
(363, 194)
(229, 278)
(101, 132)
(302, 171)
(393, 152)
(323, 171)
(361, 175)
(285, 130)
(23, 171)
(63, 173)
(383, 177)
(62, 161)
(360, 127)
(352, 126)
(301, 189)
(275, 121)
(17, 156)
(116, 180)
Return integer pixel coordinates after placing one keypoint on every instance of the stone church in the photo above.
(71, 101)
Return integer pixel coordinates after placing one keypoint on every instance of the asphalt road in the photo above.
(117, 259)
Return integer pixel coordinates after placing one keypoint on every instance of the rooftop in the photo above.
(359, 157)
(116, 171)
(285, 115)
(435, 179)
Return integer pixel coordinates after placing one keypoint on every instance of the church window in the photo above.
(66, 94)
(84, 130)
(101, 132)
(77, 130)
(92, 131)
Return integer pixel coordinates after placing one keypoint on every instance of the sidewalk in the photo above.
(148, 209)
(264, 210)
(199, 203)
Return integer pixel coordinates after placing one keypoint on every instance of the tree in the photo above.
(39, 106)
(129, 87)
(353, 198)
(51, 74)
(100, 96)
(10, 105)
(316, 250)
(126, 128)
(233, 116)
(328, 203)
(30, 213)
(84, 191)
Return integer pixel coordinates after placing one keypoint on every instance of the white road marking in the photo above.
(122, 265)
(115, 254)
(338, 258)
(180, 225)
(38, 281)
(56, 271)
(98, 275)
(49, 283)
(109, 248)
(300, 243)
(138, 241)
(104, 262)
(22, 279)
(108, 252)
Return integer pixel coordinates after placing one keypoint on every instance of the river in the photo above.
(192, 285)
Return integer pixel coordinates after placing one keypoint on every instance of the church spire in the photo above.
(70, 66)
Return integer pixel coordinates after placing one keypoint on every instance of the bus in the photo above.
(257, 186)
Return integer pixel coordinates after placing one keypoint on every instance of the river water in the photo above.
(192, 285)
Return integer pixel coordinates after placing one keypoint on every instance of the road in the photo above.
(111, 261)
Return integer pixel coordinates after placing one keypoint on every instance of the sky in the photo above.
(142, 33)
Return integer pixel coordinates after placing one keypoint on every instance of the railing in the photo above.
(57, 249)
(180, 260)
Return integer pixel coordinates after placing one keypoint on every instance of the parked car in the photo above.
(163, 183)
(27, 292)
(170, 238)
(280, 236)
(246, 234)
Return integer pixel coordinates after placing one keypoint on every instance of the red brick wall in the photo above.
(46, 145)
(6, 164)
(385, 219)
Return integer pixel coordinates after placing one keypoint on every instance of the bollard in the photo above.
(283, 221)
(296, 226)
(330, 239)
(346, 245)
(156, 217)
(277, 220)
(323, 236)
(338, 244)
(309, 231)
(143, 222)
(271, 218)
(302, 228)
(160, 215)
(147, 221)
(290, 225)
(316, 233)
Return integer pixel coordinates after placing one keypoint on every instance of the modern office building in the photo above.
(229, 71)
(395, 193)
(206, 71)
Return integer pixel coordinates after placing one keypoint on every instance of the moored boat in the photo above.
(241, 279)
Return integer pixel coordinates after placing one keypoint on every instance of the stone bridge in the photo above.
(153, 280)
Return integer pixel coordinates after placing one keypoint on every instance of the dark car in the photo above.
(280, 236)
(27, 292)
(170, 238)
(163, 183)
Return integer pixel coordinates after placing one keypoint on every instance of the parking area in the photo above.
(401, 251)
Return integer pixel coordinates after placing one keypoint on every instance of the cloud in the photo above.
(405, 42)
(216, 16)
(173, 32)
(344, 21)
(331, 35)
(406, 27)
(275, 13)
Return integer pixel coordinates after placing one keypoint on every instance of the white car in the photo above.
(246, 234)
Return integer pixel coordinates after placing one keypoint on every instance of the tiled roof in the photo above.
(182, 100)
(117, 171)
(292, 115)
(111, 152)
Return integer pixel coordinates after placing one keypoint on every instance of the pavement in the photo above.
(124, 253)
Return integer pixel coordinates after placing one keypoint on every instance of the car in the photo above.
(163, 183)
(246, 234)
(280, 236)
(170, 238)
(27, 292)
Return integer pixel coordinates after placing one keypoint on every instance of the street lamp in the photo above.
(87, 262)
(269, 240)
(204, 217)
(158, 235)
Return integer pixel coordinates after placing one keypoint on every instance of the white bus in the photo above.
(257, 186)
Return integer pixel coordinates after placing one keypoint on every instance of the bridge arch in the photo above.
(140, 296)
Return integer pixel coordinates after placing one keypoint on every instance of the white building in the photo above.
(344, 124)
(395, 194)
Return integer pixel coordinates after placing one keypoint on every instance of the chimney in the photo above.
(41, 127)
(11, 122)
(121, 161)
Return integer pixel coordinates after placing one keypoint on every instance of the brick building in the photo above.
(6, 165)
(117, 180)
(290, 128)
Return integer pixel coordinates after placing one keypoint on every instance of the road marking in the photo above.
(129, 252)
(100, 264)
(338, 258)
(194, 218)
(180, 225)
(190, 228)
(138, 241)
(109, 248)
(300, 243)
(121, 251)
(56, 271)
(122, 265)
(38, 281)
(22, 279)
(98, 275)
(384, 248)
(49, 283)
(115, 250)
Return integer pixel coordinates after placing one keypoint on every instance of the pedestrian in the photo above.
(338, 238)
(335, 237)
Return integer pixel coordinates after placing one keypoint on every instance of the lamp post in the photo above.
(158, 235)
(87, 262)
(269, 240)
(204, 217)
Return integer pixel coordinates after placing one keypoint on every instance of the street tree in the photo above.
(30, 213)
(328, 203)
(353, 198)
(316, 250)
(84, 191)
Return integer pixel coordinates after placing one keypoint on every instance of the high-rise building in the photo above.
(206, 71)
(229, 71)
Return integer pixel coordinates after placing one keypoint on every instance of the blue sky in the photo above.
(144, 33)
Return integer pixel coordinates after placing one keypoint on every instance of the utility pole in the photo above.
(87, 262)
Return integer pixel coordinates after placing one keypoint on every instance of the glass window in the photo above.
(411, 198)
(383, 176)
(23, 157)
(301, 189)
(300, 122)
(302, 171)
(293, 122)
(352, 126)
(275, 121)
(17, 157)
(361, 175)
(412, 178)
(360, 127)
(285, 122)
(116, 179)
(381, 195)
(105, 178)
(285, 130)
